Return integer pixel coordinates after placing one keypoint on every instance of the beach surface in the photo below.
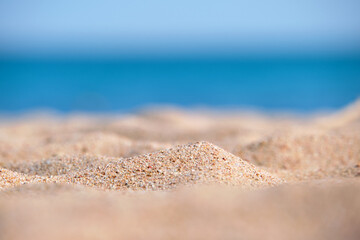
(169, 173)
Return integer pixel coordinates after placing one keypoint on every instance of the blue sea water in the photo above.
(124, 84)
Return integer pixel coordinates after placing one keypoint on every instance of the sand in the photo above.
(176, 174)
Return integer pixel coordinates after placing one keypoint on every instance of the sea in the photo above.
(125, 84)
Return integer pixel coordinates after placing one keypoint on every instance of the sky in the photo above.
(60, 31)
(133, 26)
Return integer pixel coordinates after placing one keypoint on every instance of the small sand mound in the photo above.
(59, 165)
(201, 163)
(10, 179)
(305, 152)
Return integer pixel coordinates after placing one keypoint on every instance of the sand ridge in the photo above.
(198, 163)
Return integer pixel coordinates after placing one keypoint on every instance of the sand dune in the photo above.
(226, 175)
(306, 151)
(314, 154)
(198, 163)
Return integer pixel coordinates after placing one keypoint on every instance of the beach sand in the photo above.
(168, 173)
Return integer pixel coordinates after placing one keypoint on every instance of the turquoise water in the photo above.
(124, 84)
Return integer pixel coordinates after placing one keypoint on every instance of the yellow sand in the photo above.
(174, 174)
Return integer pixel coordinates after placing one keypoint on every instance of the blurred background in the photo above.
(101, 56)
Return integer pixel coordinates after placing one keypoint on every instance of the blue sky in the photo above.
(186, 25)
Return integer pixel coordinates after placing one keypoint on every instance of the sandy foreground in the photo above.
(175, 174)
